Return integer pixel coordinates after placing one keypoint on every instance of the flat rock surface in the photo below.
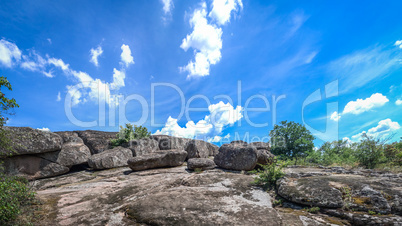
(171, 196)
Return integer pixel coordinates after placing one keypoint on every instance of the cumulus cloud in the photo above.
(222, 9)
(206, 40)
(221, 115)
(58, 97)
(398, 102)
(58, 63)
(167, 6)
(126, 57)
(359, 106)
(95, 53)
(398, 43)
(118, 79)
(219, 138)
(9, 53)
(385, 127)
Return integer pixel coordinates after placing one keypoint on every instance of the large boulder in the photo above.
(261, 145)
(97, 141)
(70, 137)
(25, 140)
(33, 167)
(159, 159)
(201, 164)
(111, 158)
(71, 154)
(168, 142)
(236, 156)
(213, 149)
(265, 157)
(197, 149)
(142, 146)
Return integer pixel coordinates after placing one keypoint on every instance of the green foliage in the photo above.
(270, 174)
(6, 107)
(277, 202)
(370, 152)
(130, 132)
(14, 196)
(393, 153)
(337, 152)
(291, 140)
(313, 210)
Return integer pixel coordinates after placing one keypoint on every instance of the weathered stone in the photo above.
(150, 197)
(33, 167)
(168, 142)
(169, 158)
(197, 149)
(142, 146)
(97, 141)
(236, 156)
(213, 149)
(70, 137)
(265, 157)
(310, 191)
(201, 164)
(111, 158)
(239, 142)
(71, 154)
(25, 140)
(261, 145)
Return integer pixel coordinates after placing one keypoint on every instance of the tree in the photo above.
(291, 140)
(6, 107)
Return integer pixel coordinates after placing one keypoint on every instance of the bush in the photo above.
(393, 153)
(270, 174)
(370, 152)
(14, 196)
(313, 210)
(131, 132)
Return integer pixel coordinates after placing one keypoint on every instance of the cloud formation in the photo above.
(95, 53)
(361, 105)
(222, 9)
(126, 57)
(398, 43)
(384, 128)
(167, 6)
(398, 102)
(210, 128)
(9, 53)
(206, 37)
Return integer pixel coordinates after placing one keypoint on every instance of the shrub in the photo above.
(14, 196)
(270, 174)
(370, 152)
(393, 153)
(313, 210)
(131, 132)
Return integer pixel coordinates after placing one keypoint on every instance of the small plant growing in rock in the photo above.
(313, 209)
(130, 132)
(270, 174)
(277, 202)
(371, 212)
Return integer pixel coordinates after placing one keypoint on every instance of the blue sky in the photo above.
(60, 55)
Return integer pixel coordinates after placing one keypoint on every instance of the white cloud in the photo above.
(58, 63)
(9, 53)
(398, 43)
(221, 115)
(206, 41)
(167, 6)
(335, 116)
(398, 102)
(95, 53)
(34, 62)
(44, 129)
(48, 74)
(58, 97)
(49, 40)
(221, 10)
(359, 106)
(118, 79)
(126, 57)
(385, 127)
